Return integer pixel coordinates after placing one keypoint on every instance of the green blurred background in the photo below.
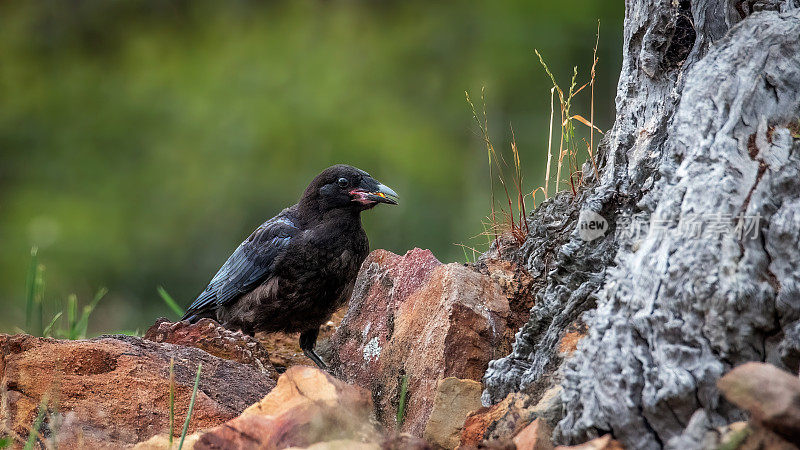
(141, 141)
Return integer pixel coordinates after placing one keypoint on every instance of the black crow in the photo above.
(299, 267)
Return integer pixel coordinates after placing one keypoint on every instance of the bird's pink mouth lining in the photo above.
(362, 196)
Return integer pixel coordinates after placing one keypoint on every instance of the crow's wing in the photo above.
(247, 267)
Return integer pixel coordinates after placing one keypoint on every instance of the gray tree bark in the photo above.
(707, 137)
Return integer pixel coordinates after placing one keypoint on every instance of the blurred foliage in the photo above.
(143, 140)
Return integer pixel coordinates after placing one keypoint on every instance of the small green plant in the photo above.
(568, 144)
(494, 227)
(48, 331)
(191, 406)
(171, 303)
(34, 313)
(76, 324)
(500, 221)
(401, 405)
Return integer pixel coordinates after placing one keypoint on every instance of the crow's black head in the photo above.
(345, 187)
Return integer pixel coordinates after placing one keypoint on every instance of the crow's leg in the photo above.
(307, 340)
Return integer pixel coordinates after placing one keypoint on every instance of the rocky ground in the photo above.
(407, 359)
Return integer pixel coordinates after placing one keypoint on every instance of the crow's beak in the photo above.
(384, 194)
(373, 193)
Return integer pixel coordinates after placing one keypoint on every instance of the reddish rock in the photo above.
(498, 422)
(771, 395)
(601, 443)
(415, 317)
(114, 390)
(536, 436)
(267, 351)
(519, 287)
(569, 342)
(570, 338)
(307, 406)
(211, 337)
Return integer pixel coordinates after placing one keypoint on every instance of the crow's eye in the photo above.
(343, 182)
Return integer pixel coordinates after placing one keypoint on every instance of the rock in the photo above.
(114, 390)
(306, 407)
(411, 316)
(771, 395)
(505, 444)
(504, 420)
(302, 385)
(570, 339)
(161, 442)
(738, 436)
(760, 438)
(499, 422)
(213, 338)
(404, 441)
(733, 435)
(284, 348)
(517, 285)
(341, 444)
(454, 400)
(601, 443)
(535, 436)
(549, 407)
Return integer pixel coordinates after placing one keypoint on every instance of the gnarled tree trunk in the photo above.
(706, 139)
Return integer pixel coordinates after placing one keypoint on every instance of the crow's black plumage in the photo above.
(297, 268)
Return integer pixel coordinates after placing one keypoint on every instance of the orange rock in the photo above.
(454, 400)
(499, 422)
(601, 443)
(413, 316)
(569, 342)
(302, 385)
(536, 436)
(114, 390)
(307, 406)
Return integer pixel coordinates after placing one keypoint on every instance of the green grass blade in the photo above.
(72, 316)
(401, 406)
(83, 323)
(171, 400)
(38, 301)
(171, 303)
(30, 287)
(37, 424)
(191, 406)
(49, 328)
